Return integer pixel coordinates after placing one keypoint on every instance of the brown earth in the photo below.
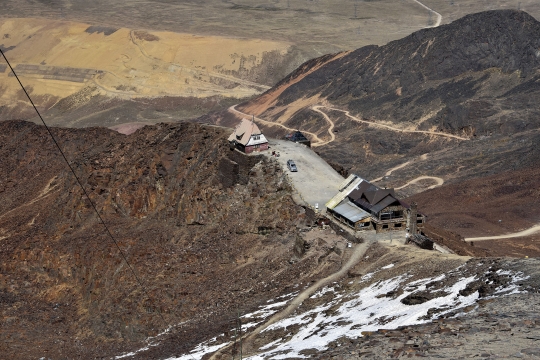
(185, 210)
(493, 205)
(56, 59)
(318, 26)
(466, 103)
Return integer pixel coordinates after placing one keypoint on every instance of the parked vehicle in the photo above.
(292, 166)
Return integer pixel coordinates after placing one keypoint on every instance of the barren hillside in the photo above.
(207, 230)
(448, 103)
(499, 204)
(56, 59)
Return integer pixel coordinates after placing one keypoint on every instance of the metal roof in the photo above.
(244, 131)
(343, 193)
(350, 211)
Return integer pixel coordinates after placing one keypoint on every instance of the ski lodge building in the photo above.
(364, 206)
(248, 138)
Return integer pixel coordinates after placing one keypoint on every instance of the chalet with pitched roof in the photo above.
(364, 206)
(248, 138)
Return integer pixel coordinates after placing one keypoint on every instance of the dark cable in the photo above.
(85, 193)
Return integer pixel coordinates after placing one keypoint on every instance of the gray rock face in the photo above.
(433, 65)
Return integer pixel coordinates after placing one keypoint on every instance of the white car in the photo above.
(292, 166)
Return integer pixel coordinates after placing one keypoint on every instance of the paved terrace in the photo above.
(316, 182)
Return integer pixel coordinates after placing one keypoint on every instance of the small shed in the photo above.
(421, 241)
(247, 137)
(298, 137)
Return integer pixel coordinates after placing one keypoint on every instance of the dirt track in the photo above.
(332, 136)
(526, 232)
(439, 181)
(357, 254)
(389, 172)
(392, 128)
(270, 123)
(439, 16)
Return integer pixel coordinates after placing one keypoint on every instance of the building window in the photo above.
(419, 221)
(385, 226)
(388, 215)
(397, 225)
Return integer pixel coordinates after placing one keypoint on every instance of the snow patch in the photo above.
(369, 309)
(199, 351)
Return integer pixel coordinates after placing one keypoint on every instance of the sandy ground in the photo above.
(133, 62)
(316, 181)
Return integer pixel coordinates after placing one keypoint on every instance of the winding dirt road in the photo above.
(388, 127)
(437, 15)
(318, 140)
(389, 172)
(439, 181)
(526, 232)
(358, 252)
(332, 136)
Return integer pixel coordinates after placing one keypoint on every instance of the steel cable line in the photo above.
(86, 193)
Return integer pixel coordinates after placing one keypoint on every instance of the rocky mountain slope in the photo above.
(439, 74)
(499, 204)
(208, 231)
(397, 301)
(451, 105)
(474, 78)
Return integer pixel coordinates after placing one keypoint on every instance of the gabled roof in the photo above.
(243, 132)
(373, 198)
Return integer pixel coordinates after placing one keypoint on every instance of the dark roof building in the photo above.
(374, 199)
(298, 137)
(361, 200)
